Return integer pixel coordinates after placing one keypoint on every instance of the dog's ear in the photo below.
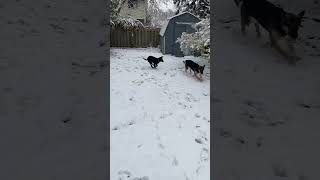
(301, 14)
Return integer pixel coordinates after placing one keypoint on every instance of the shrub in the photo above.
(197, 43)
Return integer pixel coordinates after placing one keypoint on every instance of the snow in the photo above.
(53, 123)
(164, 28)
(266, 112)
(160, 118)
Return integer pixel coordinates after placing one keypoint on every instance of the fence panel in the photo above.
(137, 38)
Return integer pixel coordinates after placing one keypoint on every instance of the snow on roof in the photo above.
(164, 27)
(181, 14)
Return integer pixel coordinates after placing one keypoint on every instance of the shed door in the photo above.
(178, 30)
(190, 29)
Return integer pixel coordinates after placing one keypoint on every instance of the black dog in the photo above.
(282, 26)
(196, 68)
(153, 61)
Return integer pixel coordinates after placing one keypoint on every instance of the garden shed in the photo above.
(172, 30)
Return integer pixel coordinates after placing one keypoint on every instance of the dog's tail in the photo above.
(184, 62)
(145, 59)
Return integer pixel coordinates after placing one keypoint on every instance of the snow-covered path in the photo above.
(160, 118)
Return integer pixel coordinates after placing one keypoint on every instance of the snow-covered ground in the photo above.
(53, 114)
(160, 118)
(266, 112)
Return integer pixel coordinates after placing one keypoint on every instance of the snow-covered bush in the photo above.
(197, 43)
(126, 23)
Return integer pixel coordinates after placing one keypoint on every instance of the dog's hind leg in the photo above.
(256, 24)
(244, 19)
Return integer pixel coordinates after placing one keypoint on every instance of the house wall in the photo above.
(139, 12)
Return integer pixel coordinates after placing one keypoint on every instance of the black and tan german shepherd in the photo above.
(282, 26)
(196, 68)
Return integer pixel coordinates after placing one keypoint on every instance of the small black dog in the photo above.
(153, 61)
(196, 68)
(282, 26)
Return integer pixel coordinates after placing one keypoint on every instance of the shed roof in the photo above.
(165, 25)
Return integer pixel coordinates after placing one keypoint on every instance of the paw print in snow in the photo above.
(204, 155)
(142, 178)
(124, 175)
(175, 162)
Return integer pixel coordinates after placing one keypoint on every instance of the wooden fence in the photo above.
(135, 38)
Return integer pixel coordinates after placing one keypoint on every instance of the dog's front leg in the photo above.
(279, 44)
(285, 47)
(272, 39)
(196, 74)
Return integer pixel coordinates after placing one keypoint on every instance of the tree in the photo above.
(200, 8)
(123, 22)
(157, 16)
(115, 8)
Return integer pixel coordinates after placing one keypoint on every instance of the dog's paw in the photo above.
(294, 59)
